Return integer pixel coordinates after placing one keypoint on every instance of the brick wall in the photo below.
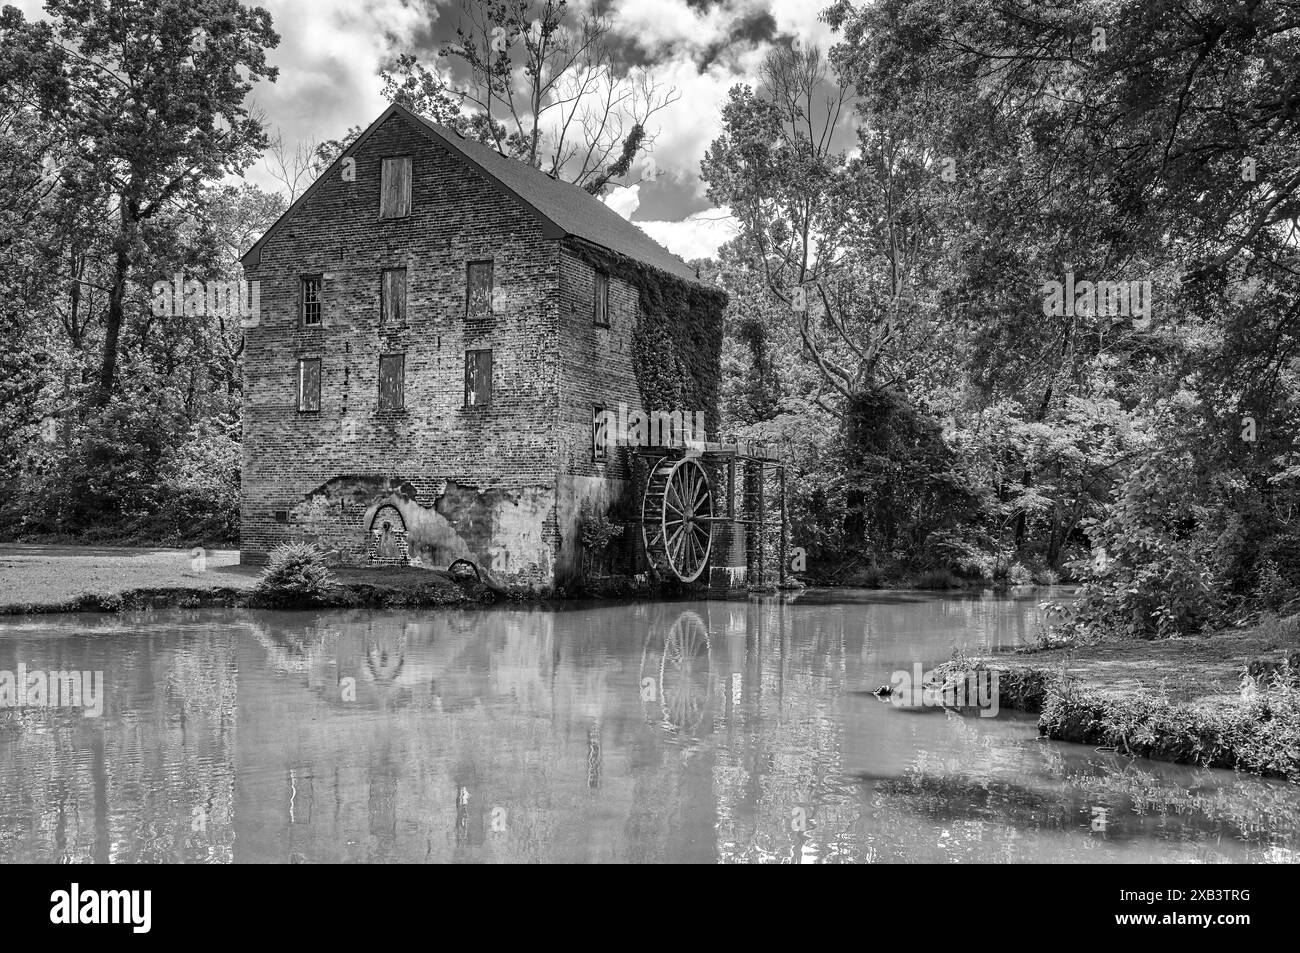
(296, 465)
(501, 484)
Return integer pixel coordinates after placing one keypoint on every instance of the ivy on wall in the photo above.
(677, 342)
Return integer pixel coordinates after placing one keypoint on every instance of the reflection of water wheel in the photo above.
(685, 672)
(677, 518)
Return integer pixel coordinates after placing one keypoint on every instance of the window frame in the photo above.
(469, 287)
(401, 390)
(384, 304)
(302, 364)
(410, 185)
(319, 280)
(599, 451)
(469, 382)
(600, 299)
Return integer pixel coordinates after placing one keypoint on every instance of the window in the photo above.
(309, 384)
(392, 371)
(478, 378)
(311, 299)
(599, 434)
(478, 289)
(601, 304)
(395, 188)
(392, 296)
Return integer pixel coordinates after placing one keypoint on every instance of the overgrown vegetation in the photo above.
(1260, 733)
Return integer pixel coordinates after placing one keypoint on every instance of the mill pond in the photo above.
(689, 731)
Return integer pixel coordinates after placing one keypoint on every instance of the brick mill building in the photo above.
(440, 329)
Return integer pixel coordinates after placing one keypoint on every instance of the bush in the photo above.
(1018, 575)
(936, 579)
(1262, 735)
(295, 574)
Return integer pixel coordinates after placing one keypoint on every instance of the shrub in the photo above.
(295, 574)
(936, 579)
(1262, 735)
(1018, 575)
(597, 530)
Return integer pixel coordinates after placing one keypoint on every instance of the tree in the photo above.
(150, 99)
(543, 86)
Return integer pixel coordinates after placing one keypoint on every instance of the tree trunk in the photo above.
(113, 328)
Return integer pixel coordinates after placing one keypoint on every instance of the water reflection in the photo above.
(722, 731)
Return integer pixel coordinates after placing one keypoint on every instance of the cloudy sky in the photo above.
(331, 52)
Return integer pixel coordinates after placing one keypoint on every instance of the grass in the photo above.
(1184, 700)
(37, 578)
(43, 578)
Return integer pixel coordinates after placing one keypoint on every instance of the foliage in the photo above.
(1261, 734)
(964, 422)
(295, 574)
(122, 122)
(597, 529)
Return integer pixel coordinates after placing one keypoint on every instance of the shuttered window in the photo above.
(392, 371)
(478, 378)
(600, 307)
(392, 296)
(478, 289)
(395, 188)
(309, 384)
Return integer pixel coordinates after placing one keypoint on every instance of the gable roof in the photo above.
(563, 209)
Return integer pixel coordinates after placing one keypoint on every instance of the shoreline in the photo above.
(1183, 700)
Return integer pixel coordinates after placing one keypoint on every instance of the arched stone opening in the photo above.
(388, 545)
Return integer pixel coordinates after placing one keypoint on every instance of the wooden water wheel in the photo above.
(677, 518)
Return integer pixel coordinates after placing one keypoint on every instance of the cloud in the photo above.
(329, 57)
(698, 235)
(331, 51)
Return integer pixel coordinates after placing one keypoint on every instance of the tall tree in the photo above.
(541, 84)
(152, 106)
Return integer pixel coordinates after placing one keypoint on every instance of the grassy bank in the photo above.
(42, 579)
(1225, 700)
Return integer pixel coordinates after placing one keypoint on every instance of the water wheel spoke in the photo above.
(676, 494)
(673, 539)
